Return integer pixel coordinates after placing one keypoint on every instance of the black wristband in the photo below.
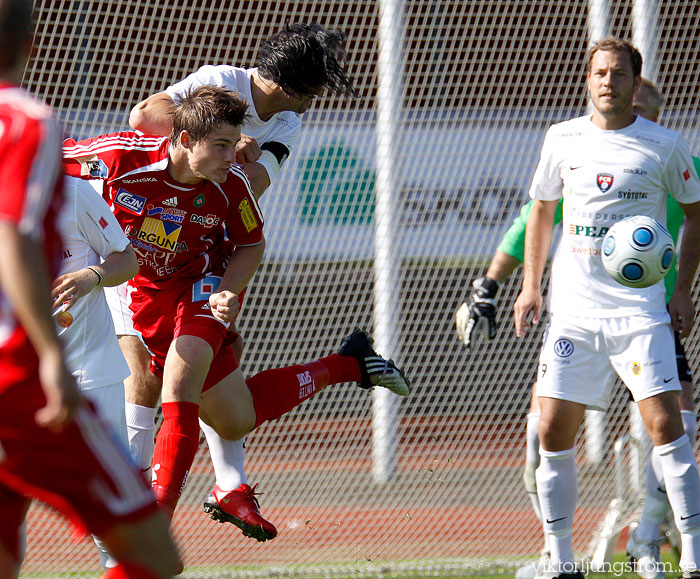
(97, 273)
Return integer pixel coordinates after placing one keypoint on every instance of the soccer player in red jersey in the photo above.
(294, 66)
(52, 444)
(197, 229)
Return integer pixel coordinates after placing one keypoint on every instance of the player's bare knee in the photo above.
(233, 430)
(664, 428)
(556, 432)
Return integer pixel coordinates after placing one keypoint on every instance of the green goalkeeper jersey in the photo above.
(513, 242)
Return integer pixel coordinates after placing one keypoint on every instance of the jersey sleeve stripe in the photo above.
(101, 145)
(45, 170)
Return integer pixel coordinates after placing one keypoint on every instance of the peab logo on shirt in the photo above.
(605, 181)
(132, 203)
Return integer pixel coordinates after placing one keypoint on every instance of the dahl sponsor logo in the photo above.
(210, 220)
(306, 385)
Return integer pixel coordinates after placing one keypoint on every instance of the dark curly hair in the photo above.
(303, 58)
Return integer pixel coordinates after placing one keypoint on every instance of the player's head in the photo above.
(647, 100)
(206, 127)
(614, 70)
(304, 60)
(15, 33)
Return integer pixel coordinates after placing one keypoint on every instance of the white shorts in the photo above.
(118, 300)
(581, 356)
(109, 401)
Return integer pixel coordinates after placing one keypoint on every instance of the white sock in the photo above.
(690, 425)
(656, 505)
(141, 428)
(683, 488)
(106, 559)
(532, 461)
(228, 458)
(557, 488)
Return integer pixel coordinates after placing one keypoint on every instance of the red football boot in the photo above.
(241, 508)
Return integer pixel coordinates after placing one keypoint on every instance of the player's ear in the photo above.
(185, 139)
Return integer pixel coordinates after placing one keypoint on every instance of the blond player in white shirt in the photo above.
(608, 166)
(96, 254)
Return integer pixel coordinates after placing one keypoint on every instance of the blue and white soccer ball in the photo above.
(638, 251)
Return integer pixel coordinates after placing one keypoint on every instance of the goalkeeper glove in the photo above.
(477, 316)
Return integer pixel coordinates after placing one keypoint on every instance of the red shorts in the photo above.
(160, 316)
(80, 470)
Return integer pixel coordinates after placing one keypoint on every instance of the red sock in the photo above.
(129, 571)
(176, 446)
(275, 392)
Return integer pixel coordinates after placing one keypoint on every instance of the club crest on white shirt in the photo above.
(605, 181)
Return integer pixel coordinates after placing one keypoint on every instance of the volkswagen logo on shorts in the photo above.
(563, 348)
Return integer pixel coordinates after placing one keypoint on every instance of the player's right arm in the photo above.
(154, 115)
(477, 315)
(538, 241)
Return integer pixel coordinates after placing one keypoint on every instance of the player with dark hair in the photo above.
(197, 231)
(477, 318)
(599, 328)
(294, 66)
(53, 445)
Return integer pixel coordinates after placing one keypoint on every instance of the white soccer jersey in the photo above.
(605, 176)
(89, 232)
(283, 128)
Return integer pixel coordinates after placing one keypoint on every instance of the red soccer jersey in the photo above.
(179, 231)
(31, 177)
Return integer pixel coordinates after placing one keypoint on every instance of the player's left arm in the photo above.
(240, 270)
(681, 305)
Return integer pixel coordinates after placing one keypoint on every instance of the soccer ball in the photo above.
(638, 251)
